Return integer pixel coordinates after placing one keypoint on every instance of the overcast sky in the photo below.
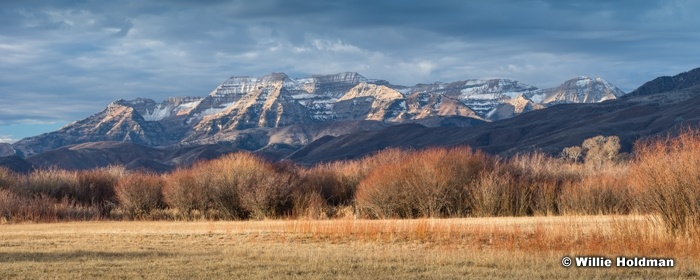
(61, 61)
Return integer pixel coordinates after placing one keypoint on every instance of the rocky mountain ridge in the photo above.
(251, 112)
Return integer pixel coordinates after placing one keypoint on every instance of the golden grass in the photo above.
(523, 247)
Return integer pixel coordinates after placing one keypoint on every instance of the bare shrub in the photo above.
(336, 183)
(598, 194)
(502, 191)
(189, 190)
(485, 196)
(309, 204)
(381, 158)
(543, 177)
(8, 179)
(383, 195)
(666, 172)
(545, 192)
(41, 208)
(97, 188)
(93, 188)
(236, 186)
(232, 177)
(331, 184)
(540, 165)
(427, 183)
(140, 193)
(320, 189)
(10, 204)
(225, 195)
(270, 196)
(55, 183)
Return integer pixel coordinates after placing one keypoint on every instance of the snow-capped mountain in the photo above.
(120, 121)
(254, 112)
(579, 90)
(482, 96)
(513, 107)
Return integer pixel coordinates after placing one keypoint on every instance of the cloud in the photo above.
(7, 139)
(65, 60)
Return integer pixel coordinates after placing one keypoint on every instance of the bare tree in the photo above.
(600, 149)
(572, 154)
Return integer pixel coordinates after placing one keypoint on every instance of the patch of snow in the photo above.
(405, 91)
(512, 94)
(226, 105)
(472, 90)
(291, 84)
(325, 101)
(304, 96)
(583, 81)
(538, 98)
(159, 113)
(423, 98)
(605, 98)
(211, 111)
(491, 113)
(305, 80)
(188, 105)
(485, 96)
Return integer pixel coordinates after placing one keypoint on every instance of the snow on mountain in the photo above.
(370, 102)
(171, 107)
(513, 107)
(581, 90)
(258, 104)
(268, 104)
(482, 96)
(120, 121)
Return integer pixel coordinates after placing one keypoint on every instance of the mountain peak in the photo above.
(344, 77)
(246, 110)
(582, 89)
(275, 77)
(134, 102)
(583, 81)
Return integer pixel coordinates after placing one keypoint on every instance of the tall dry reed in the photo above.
(666, 173)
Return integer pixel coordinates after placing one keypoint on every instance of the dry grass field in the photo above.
(436, 213)
(481, 248)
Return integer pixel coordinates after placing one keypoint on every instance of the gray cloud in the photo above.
(64, 60)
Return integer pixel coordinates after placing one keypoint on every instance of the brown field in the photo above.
(482, 248)
(434, 213)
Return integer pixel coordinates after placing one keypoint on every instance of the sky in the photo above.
(61, 61)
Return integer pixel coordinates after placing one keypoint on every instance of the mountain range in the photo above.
(342, 116)
(655, 109)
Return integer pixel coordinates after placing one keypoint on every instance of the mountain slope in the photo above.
(118, 122)
(681, 81)
(245, 112)
(479, 95)
(513, 107)
(581, 90)
(7, 150)
(548, 130)
(16, 163)
(132, 156)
